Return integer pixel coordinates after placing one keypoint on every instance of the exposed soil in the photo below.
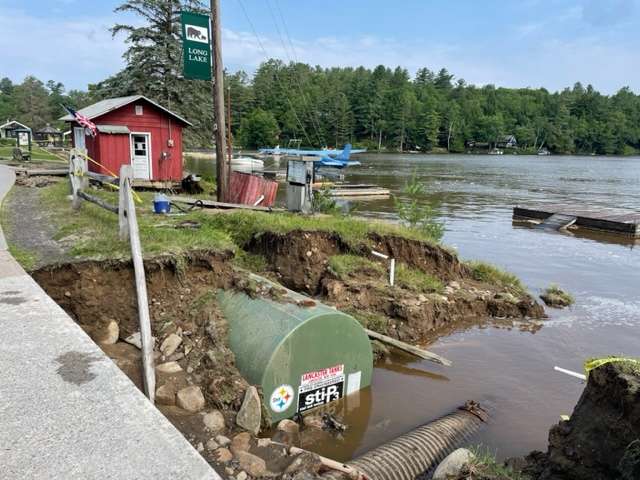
(181, 301)
(601, 440)
(300, 260)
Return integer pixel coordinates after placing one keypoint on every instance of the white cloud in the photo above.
(550, 62)
(77, 51)
(80, 51)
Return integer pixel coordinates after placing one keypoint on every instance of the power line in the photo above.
(264, 51)
(314, 123)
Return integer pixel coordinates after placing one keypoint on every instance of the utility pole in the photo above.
(229, 139)
(222, 170)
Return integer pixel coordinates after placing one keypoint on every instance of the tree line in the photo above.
(379, 108)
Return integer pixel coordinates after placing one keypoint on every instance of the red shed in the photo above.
(133, 130)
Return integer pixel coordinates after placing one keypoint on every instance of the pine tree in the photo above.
(154, 65)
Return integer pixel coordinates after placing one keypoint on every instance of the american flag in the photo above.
(82, 120)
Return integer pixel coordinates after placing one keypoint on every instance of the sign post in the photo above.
(196, 46)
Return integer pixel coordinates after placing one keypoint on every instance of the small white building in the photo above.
(8, 129)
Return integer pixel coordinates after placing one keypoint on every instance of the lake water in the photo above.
(510, 370)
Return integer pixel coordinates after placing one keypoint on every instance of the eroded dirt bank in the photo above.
(302, 261)
(191, 333)
(601, 440)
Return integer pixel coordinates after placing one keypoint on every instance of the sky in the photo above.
(516, 43)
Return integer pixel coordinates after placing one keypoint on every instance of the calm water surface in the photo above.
(510, 370)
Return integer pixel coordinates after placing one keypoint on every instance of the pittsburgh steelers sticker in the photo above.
(281, 398)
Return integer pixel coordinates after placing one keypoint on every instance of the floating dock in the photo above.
(620, 221)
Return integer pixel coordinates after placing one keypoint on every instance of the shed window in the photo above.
(138, 109)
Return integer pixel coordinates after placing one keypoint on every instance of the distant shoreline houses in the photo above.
(502, 142)
(47, 136)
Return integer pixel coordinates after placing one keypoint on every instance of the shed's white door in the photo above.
(78, 137)
(140, 156)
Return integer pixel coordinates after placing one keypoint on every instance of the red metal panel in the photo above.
(246, 189)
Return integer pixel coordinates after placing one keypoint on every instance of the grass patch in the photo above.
(242, 225)
(417, 280)
(557, 296)
(250, 261)
(37, 153)
(485, 466)
(24, 257)
(95, 230)
(485, 272)
(345, 265)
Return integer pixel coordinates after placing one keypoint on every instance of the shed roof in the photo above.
(11, 123)
(110, 104)
(49, 129)
(113, 129)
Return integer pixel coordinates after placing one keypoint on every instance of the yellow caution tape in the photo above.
(133, 192)
(598, 362)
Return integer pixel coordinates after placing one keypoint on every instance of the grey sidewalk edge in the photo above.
(7, 179)
(67, 410)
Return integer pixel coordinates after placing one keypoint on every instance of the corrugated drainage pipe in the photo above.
(421, 450)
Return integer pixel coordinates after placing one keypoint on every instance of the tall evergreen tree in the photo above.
(154, 64)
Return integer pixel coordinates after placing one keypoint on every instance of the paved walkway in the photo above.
(66, 410)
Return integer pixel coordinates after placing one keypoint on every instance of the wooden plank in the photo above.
(53, 172)
(222, 205)
(557, 221)
(149, 374)
(418, 352)
(359, 192)
(97, 201)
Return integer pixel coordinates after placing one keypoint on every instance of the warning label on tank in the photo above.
(320, 387)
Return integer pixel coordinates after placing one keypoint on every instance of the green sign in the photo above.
(196, 45)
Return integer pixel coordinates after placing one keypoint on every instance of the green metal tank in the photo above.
(302, 353)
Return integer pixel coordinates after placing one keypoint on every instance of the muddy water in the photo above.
(510, 370)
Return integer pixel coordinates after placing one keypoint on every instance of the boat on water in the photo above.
(544, 152)
(246, 164)
(496, 151)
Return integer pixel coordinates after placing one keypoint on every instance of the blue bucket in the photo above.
(161, 204)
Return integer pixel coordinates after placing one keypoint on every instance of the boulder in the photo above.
(223, 455)
(107, 334)
(306, 461)
(169, 368)
(453, 465)
(288, 426)
(222, 440)
(242, 476)
(241, 442)
(250, 414)
(214, 421)
(252, 464)
(170, 344)
(166, 395)
(286, 438)
(313, 421)
(191, 399)
(212, 445)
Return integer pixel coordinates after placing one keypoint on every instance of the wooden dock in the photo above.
(361, 190)
(614, 220)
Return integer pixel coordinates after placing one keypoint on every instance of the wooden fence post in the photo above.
(83, 163)
(126, 173)
(146, 339)
(77, 177)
